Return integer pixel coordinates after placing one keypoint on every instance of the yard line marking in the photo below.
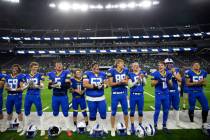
(4, 109)
(22, 109)
(197, 107)
(70, 105)
(152, 107)
(45, 108)
(149, 94)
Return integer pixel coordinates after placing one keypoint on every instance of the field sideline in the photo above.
(148, 97)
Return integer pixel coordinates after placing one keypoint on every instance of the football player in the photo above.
(14, 84)
(95, 81)
(161, 80)
(118, 80)
(174, 90)
(34, 82)
(2, 79)
(78, 96)
(196, 80)
(136, 83)
(59, 81)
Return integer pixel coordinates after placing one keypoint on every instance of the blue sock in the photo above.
(132, 124)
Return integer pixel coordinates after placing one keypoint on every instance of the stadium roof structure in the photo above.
(36, 14)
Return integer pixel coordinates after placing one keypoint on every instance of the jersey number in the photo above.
(120, 77)
(13, 83)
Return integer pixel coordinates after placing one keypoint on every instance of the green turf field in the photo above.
(192, 134)
(148, 103)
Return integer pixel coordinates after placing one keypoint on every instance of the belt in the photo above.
(137, 93)
(14, 93)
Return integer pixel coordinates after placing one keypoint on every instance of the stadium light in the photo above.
(21, 52)
(166, 36)
(52, 52)
(27, 38)
(135, 36)
(156, 36)
(64, 6)
(133, 50)
(37, 38)
(131, 5)
(84, 7)
(31, 52)
(72, 51)
(145, 4)
(109, 6)
(187, 49)
(197, 34)
(47, 38)
(122, 6)
(103, 51)
(123, 51)
(165, 50)
(99, 6)
(62, 52)
(92, 51)
(186, 35)
(6, 38)
(155, 50)
(57, 38)
(145, 36)
(12, 1)
(208, 33)
(41, 52)
(52, 5)
(113, 51)
(144, 50)
(176, 35)
(66, 38)
(155, 2)
(17, 38)
(176, 49)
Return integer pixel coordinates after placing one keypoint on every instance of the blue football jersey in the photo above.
(162, 85)
(94, 79)
(59, 78)
(118, 77)
(37, 78)
(174, 81)
(138, 88)
(14, 82)
(77, 84)
(144, 72)
(2, 78)
(195, 77)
